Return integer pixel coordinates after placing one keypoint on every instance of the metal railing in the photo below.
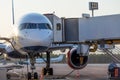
(112, 52)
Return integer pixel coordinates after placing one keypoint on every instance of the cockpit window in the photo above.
(34, 26)
(43, 26)
(22, 26)
(31, 26)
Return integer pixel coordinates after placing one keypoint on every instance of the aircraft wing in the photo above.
(52, 60)
(2, 48)
(58, 59)
(11, 66)
(3, 45)
(5, 39)
(40, 60)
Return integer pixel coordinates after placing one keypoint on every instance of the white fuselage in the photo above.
(33, 33)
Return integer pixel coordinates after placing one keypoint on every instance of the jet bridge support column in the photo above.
(83, 49)
(47, 70)
(48, 60)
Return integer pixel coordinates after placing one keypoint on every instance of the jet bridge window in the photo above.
(58, 26)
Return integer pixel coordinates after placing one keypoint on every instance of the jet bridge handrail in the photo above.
(117, 49)
(110, 53)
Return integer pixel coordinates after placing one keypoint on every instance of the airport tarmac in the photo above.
(90, 72)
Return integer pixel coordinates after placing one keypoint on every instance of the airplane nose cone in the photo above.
(43, 37)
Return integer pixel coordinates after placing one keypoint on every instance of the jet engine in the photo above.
(1, 53)
(75, 60)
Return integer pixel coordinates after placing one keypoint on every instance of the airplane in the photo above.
(33, 35)
(42, 60)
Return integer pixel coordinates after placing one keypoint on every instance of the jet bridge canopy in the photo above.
(88, 29)
(94, 28)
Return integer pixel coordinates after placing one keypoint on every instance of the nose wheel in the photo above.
(29, 76)
(32, 76)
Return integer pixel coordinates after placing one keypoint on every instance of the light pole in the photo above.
(13, 19)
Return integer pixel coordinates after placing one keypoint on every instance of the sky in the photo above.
(62, 8)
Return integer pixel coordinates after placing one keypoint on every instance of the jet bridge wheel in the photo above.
(47, 71)
(29, 76)
(35, 75)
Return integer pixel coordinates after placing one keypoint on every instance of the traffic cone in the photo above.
(78, 74)
(116, 72)
(42, 75)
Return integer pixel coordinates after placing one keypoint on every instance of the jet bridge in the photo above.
(57, 27)
(77, 30)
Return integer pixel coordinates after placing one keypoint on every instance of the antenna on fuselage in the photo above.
(13, 18)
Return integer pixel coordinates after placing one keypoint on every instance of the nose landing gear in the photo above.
(32, 74)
